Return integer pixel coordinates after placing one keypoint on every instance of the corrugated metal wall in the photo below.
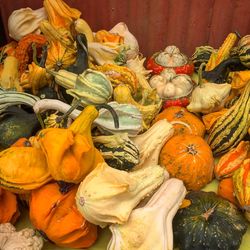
(158, 23)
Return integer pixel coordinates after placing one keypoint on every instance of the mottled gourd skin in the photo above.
(209, 223)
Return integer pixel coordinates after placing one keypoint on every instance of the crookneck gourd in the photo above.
(23, 169)
(232, 126)
(11, 239)
(117, 150)
(210, 222)
(108, 195)
(92, 87)
(189, 158)
(9, 211)
(150, 227)
(55, 215)
(151, 142)
(146, 100)
(70, 152)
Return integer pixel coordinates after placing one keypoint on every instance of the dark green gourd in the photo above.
(16, 123)
(209, 223)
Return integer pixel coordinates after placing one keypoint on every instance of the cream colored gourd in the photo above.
(208, 97)
(108, 195)
(129, 39)
(170, 85)
(142, 74)
(151, 142)
(25, 239)
(9, 78)
(150, 227)
(24, 21)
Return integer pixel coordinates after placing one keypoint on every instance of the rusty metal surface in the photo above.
(158, 23)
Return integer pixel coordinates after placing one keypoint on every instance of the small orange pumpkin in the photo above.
(183, 121)
(189, 158)
(226, 190)
(8, 207)
(56, 215)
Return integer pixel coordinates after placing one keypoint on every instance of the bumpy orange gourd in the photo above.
(56, 215)
(184, 121)
(23, 167)
(226, 190)
(189, 158)
(8, 207)
(70, 153)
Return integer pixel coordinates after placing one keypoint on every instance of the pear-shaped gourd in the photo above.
(150, 227)
(150, 142)
(108, 195)
(92, 87)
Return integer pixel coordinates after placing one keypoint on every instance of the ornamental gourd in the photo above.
(26, 238)
(108, 195)
(189, 158)
(9, 211)
(55, 215)
(23, 169)
(70, 153)
(92, 87)
(244, 50)
(150, 226)
(184, 122)
(210, 222)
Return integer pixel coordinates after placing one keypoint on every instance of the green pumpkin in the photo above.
(209, 223)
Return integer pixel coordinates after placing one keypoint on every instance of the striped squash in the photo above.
(244, 50)
(232, 126)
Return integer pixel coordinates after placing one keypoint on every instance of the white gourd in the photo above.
(150, 227)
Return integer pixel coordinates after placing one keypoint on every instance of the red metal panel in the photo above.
(158, 23)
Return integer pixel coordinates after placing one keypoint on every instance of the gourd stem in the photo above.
(39, 118)
(112, 111)
(59, 119)
(33, 46)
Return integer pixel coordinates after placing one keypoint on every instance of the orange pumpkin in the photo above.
(183, 121)
(56, 215)
(8, 207)
(189, 158)
(226, 190)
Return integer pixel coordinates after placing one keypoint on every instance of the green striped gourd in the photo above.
(232, 126)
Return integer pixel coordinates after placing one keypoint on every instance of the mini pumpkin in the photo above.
(184, 122)
(189, 158)
(56, 215)
(8, 207)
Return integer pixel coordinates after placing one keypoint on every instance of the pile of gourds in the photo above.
(94, 135)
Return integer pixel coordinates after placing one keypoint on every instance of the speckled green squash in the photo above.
(209, 223)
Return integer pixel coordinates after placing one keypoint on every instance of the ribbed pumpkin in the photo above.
(57, 217)
(184, 121)
(189, 158)
(8, 207)
(209, 223)
(226, 190)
